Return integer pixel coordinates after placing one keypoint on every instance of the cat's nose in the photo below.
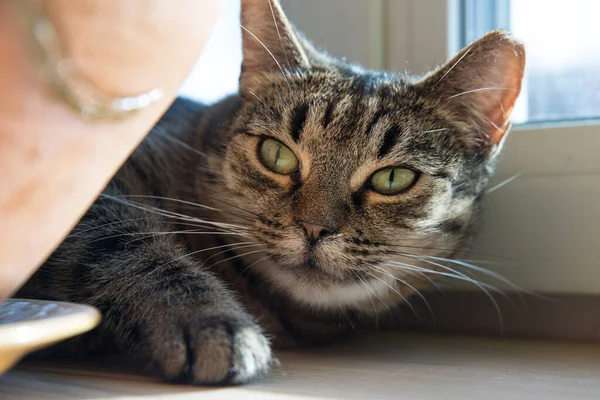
(313, 231)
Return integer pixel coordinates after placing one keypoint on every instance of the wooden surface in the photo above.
(385, 367)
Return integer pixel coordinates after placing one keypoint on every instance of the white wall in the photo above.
(217, 71)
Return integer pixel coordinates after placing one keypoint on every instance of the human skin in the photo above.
(53, 162)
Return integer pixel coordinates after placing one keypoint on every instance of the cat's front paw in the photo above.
(211, 351)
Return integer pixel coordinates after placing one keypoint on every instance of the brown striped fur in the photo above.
(195, 253)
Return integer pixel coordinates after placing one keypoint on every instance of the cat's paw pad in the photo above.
(214, 352)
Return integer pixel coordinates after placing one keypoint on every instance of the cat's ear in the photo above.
(269, 42)
(481, 84)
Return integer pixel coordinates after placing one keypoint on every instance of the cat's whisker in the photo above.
(153, 210)
(287, 60)
(397, 292)
(206, 226)
(142, 196)
(263, 102)
(271, 54)
(230, 246)
(503, 183)
(173, 215)
(245, 218)
(341, 313)
(475, 268)
(279, 33)
(460, 276)
(436, 130)
(453, 66)
(415, 290)
(482, 141)
(221, 234)
(241, 221)
(161, 233)
(455, 271)
(223, 252)
(433, 63)
(231, 205)
(233, 257)
(475, 253)
(428, 279)
(481, 90)
(79, 232)
(187, 232)
(209, 223)
(233, 246)
(457, 275)
(489, 121)
(261, 125)
(368, 289)
(463, 263)
(253, 264)
(414, 268)
(410, 267)
(482, 262)
(212, 180)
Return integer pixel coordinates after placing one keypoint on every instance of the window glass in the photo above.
(217, 71)
(563, 53)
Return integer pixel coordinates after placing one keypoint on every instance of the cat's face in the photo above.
(350, 180)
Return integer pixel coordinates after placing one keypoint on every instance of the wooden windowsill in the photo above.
(388, 366)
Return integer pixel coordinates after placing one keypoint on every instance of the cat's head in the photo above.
(355, 182)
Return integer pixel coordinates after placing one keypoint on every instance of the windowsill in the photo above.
(393, 366)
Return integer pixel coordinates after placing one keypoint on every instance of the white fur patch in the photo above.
(331, 296)
(252, 354)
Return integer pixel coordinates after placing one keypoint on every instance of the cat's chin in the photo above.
(328, 293)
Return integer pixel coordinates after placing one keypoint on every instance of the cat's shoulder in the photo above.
(183, 115)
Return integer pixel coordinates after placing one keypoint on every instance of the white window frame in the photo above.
(547, 220)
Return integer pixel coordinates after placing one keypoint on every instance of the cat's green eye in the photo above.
(392, 180)
(277, 157)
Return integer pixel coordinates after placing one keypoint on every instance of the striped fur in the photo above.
(195, 252)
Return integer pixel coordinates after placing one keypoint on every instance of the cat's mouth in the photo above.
(319, 262)
(318, 271)
(311, 260)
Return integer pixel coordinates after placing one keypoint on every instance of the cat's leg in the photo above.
(159, 305)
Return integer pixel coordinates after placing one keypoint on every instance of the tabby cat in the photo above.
(320, 197)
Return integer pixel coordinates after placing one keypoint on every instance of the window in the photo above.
(563, 53)
(216, 73)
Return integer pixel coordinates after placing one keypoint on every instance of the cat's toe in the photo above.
(226, 354)
(215, 352)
